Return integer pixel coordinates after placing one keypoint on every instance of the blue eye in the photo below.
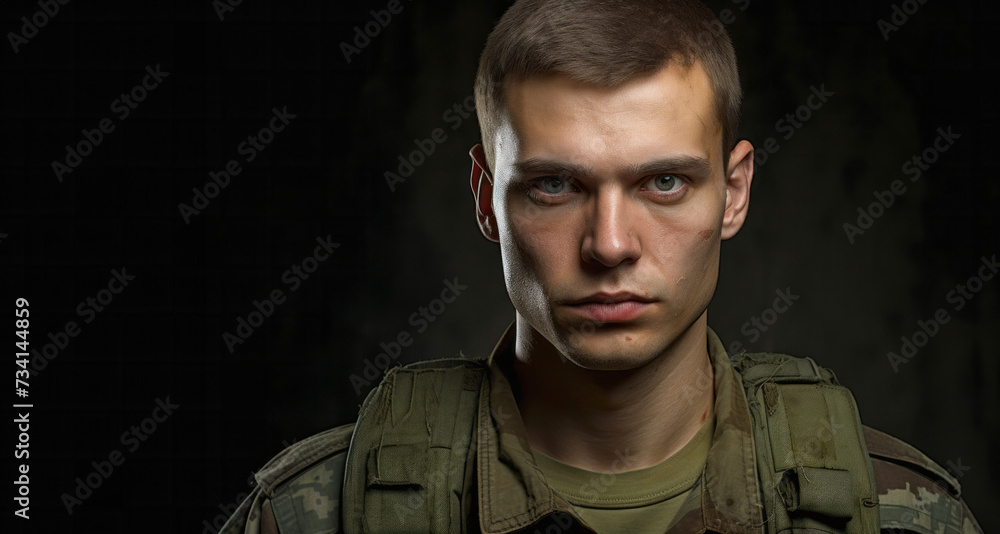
(665, 183)
(553, 185)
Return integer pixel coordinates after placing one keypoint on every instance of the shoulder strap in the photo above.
(302, 454)
(914, 491)
(412, 449)
(812, 458)
(300, 486)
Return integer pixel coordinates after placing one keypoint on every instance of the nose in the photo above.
(611, 237)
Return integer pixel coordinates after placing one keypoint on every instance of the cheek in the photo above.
(539, 248)
(520, 243)
(527, 271)
(537, 241)
(685, 246)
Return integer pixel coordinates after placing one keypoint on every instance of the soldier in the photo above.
(609, 173)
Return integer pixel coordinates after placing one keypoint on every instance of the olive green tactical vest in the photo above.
(812, 460)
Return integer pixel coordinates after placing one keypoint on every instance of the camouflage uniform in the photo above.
(299, 490)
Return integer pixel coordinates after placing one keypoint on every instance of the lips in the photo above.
(619, 307)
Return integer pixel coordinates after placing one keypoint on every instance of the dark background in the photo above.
(323, 175)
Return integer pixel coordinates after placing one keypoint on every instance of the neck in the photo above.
(614, 421)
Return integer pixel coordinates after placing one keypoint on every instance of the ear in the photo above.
(482, 192)
(739, 176)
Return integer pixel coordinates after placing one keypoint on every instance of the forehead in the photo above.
(670, 112)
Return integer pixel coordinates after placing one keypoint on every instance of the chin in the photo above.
(611, 348)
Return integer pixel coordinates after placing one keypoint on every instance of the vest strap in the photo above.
(812, 459)
(407, 463)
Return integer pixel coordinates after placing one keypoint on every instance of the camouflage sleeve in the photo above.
(911, 502)
(298, 491)
(254, 516)
(915, 493)
(246, 518)
(309, 503)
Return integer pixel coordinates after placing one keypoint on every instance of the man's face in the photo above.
(609, 208)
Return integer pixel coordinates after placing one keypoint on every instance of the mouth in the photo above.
(604, 307)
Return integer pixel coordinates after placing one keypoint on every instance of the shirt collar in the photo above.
(513, 492)
(730, 488)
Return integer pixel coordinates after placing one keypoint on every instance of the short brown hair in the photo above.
(605, 43)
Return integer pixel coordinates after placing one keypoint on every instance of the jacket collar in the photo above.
(513, 492)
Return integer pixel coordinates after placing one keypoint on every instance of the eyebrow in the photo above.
(541, 166)
(687, 164)
(695, 165)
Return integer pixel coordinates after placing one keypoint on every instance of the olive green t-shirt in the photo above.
(641, 501)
